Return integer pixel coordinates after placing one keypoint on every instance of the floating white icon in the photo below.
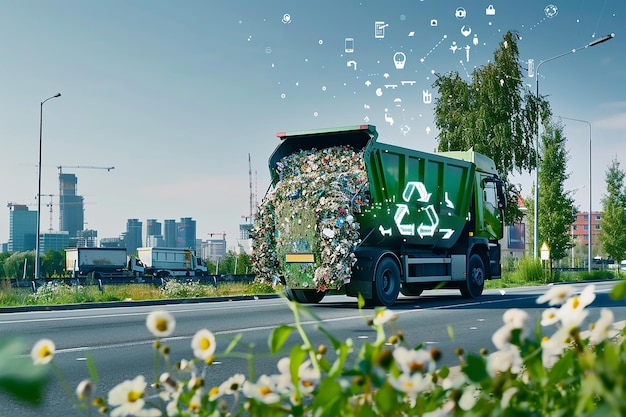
(399, 59)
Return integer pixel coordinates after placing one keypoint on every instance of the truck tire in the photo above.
(304, 296)
(386, 285)
(411, 290)
(475, 282)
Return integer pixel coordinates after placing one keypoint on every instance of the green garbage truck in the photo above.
(346, 213)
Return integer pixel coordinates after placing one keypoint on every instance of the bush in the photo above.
(177, 289)
(563, 373)
(529, 270)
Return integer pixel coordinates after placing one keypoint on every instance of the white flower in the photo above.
(553, 347)
(410, 361)
(264, 390)
(43, 352)
(506, 397)
(501, 338)
(556, 295)
(573, 312)
(411, 384)
(549, 316)
(232, 384)
(160, 323)
(468, 398)
(127, 398)
(602, 327)
(382, 316)
(504, 360)
(308, 376)
(195, 404)
(203, 344)
(168, 382)
(516, 317)
(84, 389)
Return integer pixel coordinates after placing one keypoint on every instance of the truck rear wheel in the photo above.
(386, 285)
(304, 296)
(475, 282)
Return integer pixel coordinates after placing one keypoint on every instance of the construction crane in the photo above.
(250, 216)
(50, 204)
(60, 167)
(223, 234)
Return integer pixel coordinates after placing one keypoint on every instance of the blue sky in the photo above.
(176, 95)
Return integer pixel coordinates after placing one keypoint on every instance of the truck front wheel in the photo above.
(475, 282)
(386, 285)
(304, 296)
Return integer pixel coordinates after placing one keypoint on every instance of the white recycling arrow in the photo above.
(412, 186)
(405, 229)
(447, 233)
(448, 202)
(429, 230)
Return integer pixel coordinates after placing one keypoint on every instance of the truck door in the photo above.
(493, 203)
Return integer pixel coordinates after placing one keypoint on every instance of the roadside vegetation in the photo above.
(524, 272)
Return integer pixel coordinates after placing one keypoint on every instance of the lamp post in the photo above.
(536, 219)
(37, 246)
(589, 253)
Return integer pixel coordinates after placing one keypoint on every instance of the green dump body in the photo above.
(412, 203)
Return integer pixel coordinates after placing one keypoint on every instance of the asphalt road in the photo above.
(119, 343)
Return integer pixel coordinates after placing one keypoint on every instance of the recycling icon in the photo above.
(416, 192)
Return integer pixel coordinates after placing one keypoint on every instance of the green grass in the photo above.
(51, 294)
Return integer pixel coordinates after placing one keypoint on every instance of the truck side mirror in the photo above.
(501, 195)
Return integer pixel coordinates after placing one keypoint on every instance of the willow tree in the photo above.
(556, 205)
(494, 114)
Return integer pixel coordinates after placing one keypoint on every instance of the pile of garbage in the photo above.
(312, 209)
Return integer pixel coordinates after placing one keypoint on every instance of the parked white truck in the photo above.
(101, 263)
(171, 262)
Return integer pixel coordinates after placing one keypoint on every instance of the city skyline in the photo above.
(184, 100)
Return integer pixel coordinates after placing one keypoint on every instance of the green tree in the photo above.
(52, 263)
(556, 205)
(3, 257)
(244, 264)
(14, 265)
(613, 222)
(494, 114)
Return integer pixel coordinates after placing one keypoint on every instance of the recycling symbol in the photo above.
(417, 189)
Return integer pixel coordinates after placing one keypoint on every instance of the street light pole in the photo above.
(536, 219)
(37, 245)
(590, 235)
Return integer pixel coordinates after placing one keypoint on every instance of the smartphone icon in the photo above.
(379, 29)
(349, 45)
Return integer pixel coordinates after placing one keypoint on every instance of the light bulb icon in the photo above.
(399, 59)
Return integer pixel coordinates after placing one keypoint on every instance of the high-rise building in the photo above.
(71, 214)
(214, 250)
(154, 234)
(132, 237)
(186, 233)
(22, 228)
(87, 239)
(169, 233)
(54, 241)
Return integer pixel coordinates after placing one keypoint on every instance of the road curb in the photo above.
(134, 303)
